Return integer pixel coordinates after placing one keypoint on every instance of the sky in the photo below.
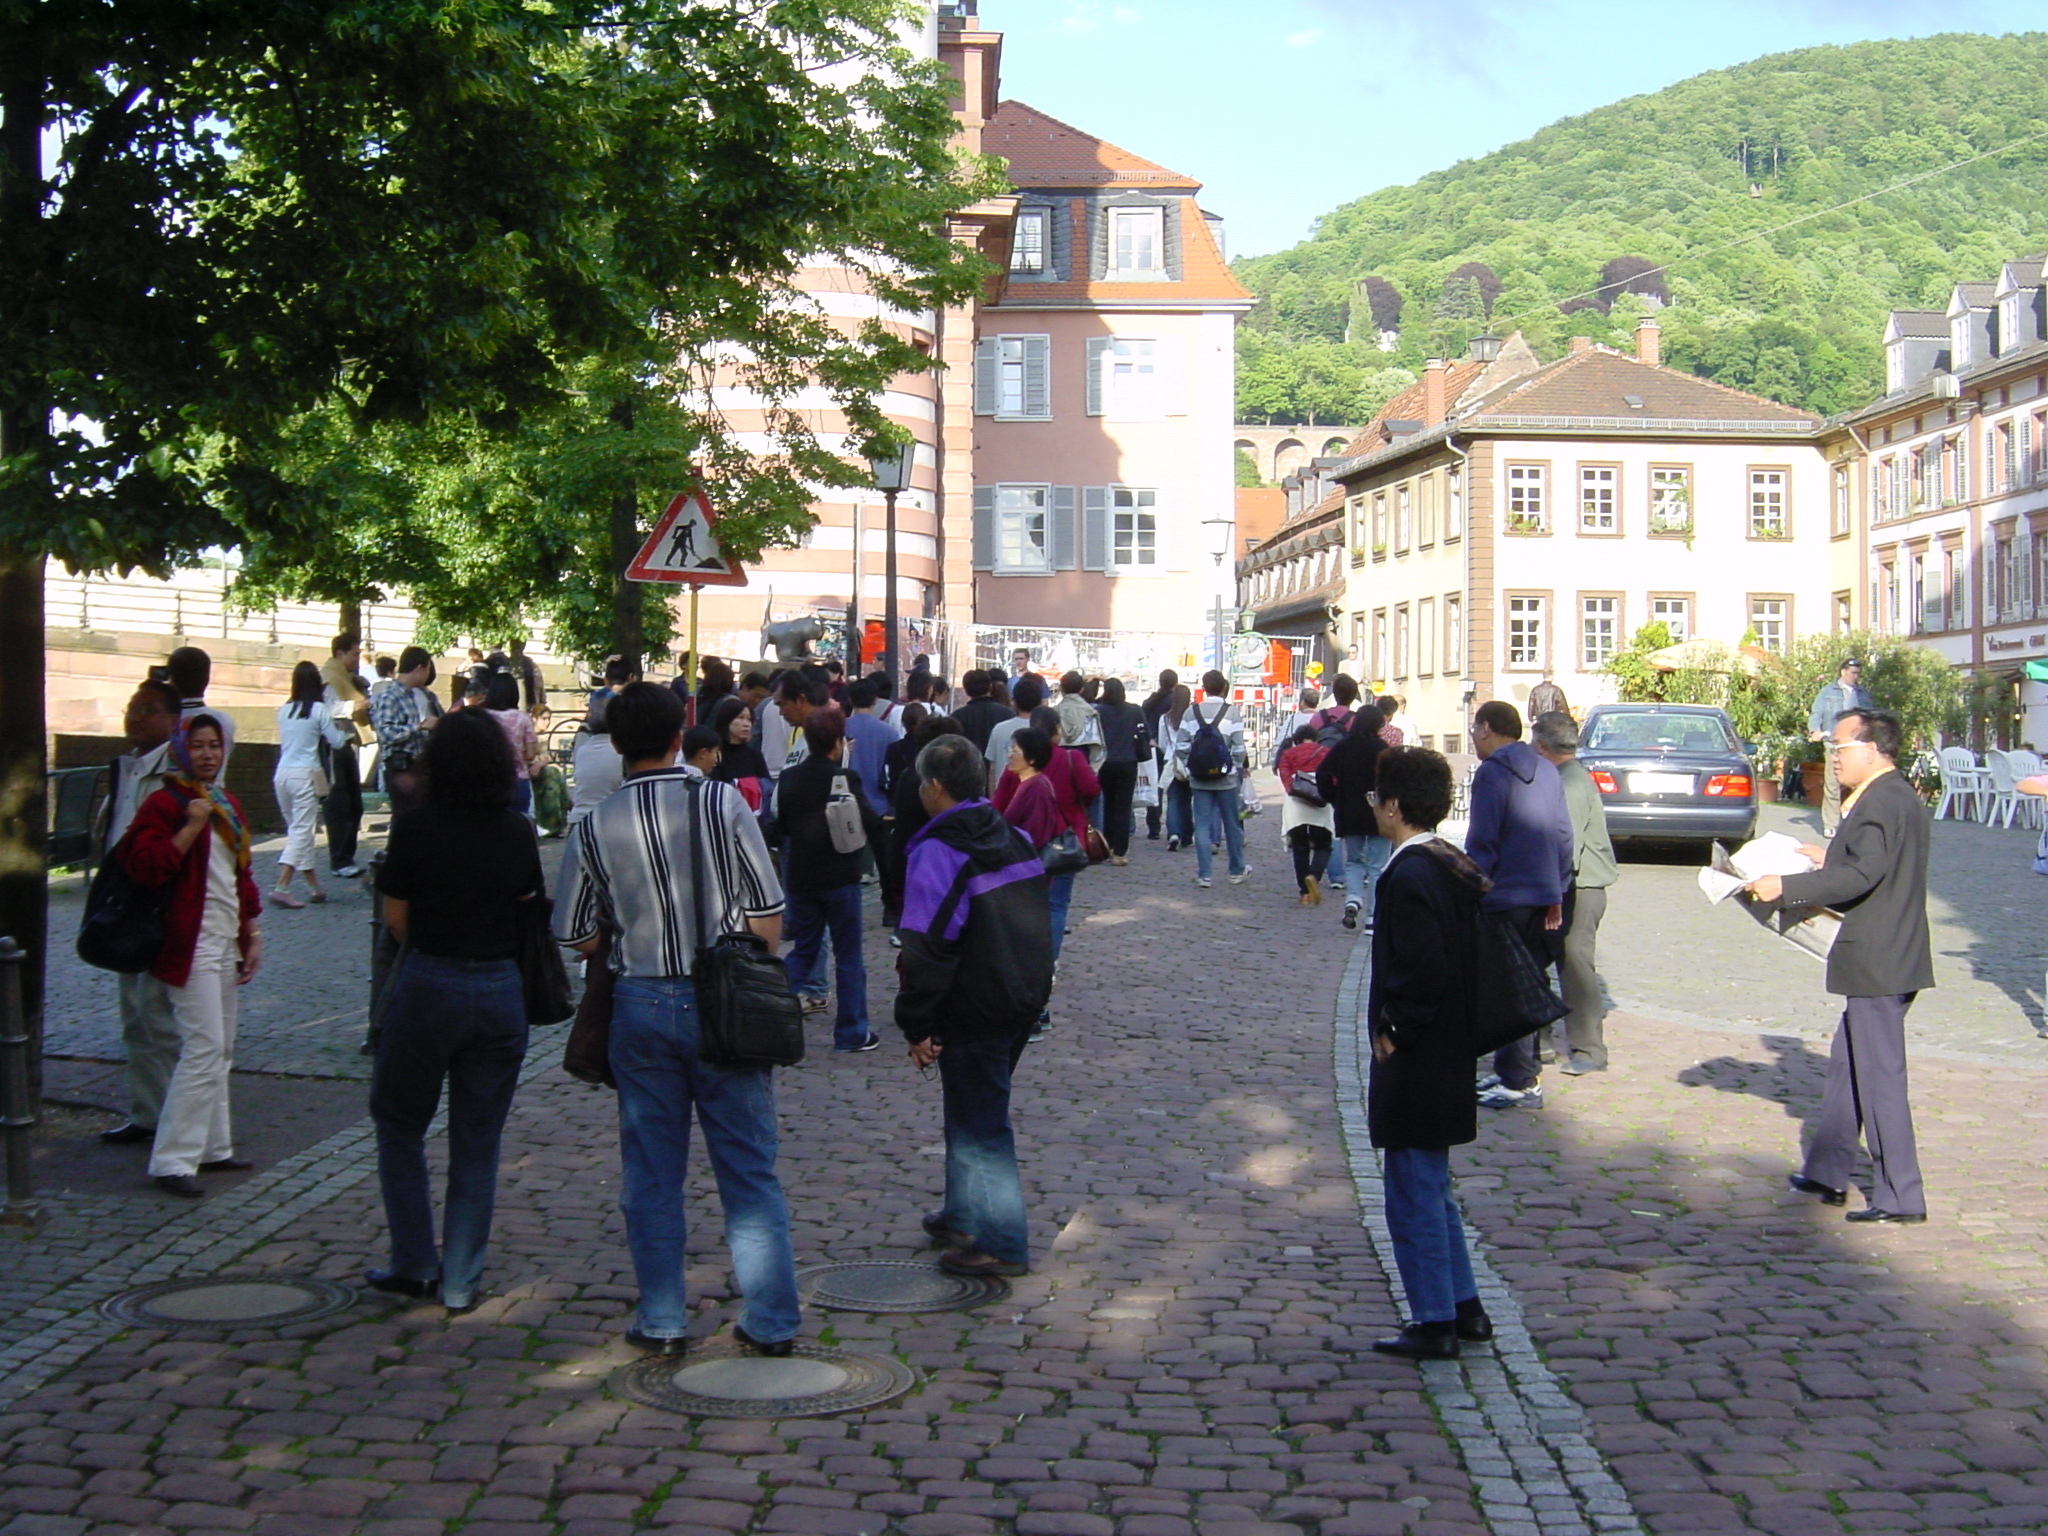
(1285, 109)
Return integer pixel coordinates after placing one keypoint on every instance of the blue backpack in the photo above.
(1209, 757)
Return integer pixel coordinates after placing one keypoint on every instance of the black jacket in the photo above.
(976, 930)
(1124, 736)
(1876, 877)
(977, 717)
(814, 865)
(1424, 994)
(1346, 776)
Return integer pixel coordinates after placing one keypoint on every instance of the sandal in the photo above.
(286, 900)
(318, 898)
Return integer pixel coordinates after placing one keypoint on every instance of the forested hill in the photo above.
(1507, 241)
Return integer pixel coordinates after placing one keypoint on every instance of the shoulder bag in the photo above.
(747, 1013)
(1514, 994)
(123, 926)
(842, 817)
(1064, 855)
(543, 978)
(587, 1056)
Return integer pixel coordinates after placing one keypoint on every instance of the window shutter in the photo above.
(1038, 377)
(1098, 361)
(988, 380)
(1095, 528)
(1062, 528)
(2026, 466)
(984, 527)
(1169, 362)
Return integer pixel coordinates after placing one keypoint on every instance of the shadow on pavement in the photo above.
(1792, 1079)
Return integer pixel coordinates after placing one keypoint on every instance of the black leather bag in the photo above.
(1064, 855)
(1515, 997)
(123, 926)
(543, 978)
(747, 1012)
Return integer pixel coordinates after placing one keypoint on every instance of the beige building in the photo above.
(1507, 520)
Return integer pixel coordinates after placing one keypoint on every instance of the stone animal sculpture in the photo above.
(791, 639)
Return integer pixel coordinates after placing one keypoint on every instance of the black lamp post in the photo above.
(892, 478)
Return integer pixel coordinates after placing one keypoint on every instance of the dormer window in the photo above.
(1027, 241)
(1135, 243)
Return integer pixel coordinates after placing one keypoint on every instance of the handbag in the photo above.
(1097, 845)
(587, 1055)
(842, 817)
(1064, 855)
(543, 978)
(1513, 991)
(122, 929)
(748, 1014)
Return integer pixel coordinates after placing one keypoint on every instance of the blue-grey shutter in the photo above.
(988, 380)
(1038, 377)
(984, 527)
(1062, 541)
(1095, 528)
(1098, 359)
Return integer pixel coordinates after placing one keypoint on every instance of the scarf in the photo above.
(224, 812)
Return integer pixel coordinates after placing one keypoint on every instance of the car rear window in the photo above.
(1659, 733)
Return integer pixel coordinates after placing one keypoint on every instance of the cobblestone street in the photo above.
(1685, 1346)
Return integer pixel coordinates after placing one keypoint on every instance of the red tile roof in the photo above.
(1045, 152)
(1602, 383)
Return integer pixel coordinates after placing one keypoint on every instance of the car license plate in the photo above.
(1660, 783)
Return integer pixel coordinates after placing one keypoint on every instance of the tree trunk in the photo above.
(629, 635)
(351, 621)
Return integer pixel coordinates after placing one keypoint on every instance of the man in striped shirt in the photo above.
(630, 874)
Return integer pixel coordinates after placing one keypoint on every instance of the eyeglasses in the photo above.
(1843, 746)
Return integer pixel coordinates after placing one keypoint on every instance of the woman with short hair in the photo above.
(455, 872)
(501, 703)
(303, 723)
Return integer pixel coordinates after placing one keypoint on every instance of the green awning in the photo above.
(2037, 671)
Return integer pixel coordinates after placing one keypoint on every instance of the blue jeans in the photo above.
(813, 983)
(522, 796)
(1429, 1239)
(654, 1058)
(984, 1196)
(1180, 812)
(1335, 873)
(1365, 855)
(1060, 897)
(808, 916)
(465, 1021)
(1210, 805)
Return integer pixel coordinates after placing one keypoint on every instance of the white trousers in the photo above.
(193, 1127)
(298, 797)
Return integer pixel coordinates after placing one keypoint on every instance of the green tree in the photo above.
(1248, 475)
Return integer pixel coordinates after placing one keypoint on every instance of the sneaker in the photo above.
(895, 941)
(1241, 876)
(1203, 884)
(872, 1043)
(347, 872)
(1173, 845)
(1500, 1096)
(1041, 1029)
(1490, 1080)
(815, 1002)
(1350, 914)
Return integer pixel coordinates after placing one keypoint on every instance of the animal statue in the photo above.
(791, 639)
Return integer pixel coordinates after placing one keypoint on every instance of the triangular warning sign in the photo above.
(684, 548)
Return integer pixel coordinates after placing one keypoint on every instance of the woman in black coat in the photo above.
(1420, 1012)
(1345, 778)
(1126, 743)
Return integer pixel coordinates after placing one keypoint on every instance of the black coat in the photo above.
(1346, 776)
(1876, 877)
(1424, 994)
(814, 865)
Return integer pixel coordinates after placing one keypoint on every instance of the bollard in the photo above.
(18, 1117)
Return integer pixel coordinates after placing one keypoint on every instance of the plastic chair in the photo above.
(2002, 804)
(1965, 786)
(2027, 765)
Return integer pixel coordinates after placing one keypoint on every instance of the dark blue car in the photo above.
(1670, 773)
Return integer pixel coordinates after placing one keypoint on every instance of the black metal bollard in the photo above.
(18, 1116)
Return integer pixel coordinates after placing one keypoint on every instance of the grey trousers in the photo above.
(1580, 973)
(149, 1031)
(1866, 1092)
(1830, 795)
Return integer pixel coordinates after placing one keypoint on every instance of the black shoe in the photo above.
(1422, 1341)
(943, 1236)
(1151, 837)
(649, 1346)
(227, 1165)
(1829, 1195)
(971, 1261)
(397, 1285)
(872, 1043)
(181, 1184)
(1873, 1214)
(1473, 1325)
(778, 1350)
(127, 1133)
(1350, 915)
(464, 1308)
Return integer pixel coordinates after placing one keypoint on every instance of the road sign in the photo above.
(684, 548)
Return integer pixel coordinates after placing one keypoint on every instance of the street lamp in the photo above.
(892, 477)
(1218, 533)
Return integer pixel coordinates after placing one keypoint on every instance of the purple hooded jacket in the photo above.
(1521, 834)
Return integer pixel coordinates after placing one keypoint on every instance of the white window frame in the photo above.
(1844, 498)
(1527, 498)
(1133, 384)
(1454, 633)
(1763, 621)
(1454, 506)
(1599, 630)
(1013, 511)
(1770, 502)
(1029, 241)
(1137, 244)
(1600, 499)
(1135, 511)
(1013, 377)
(1664, 609)
(1526, 633)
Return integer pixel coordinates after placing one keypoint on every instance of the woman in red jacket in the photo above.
(1058, 805)
(190, 835)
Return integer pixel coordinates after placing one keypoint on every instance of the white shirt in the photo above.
(222, 916)
(1408, 842)
(597, 770)
(299, 736)
(138, 776)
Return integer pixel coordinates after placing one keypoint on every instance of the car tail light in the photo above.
(1734, 785)
(1604, 782)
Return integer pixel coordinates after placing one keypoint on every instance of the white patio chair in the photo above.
(2027, 765)
(1964, 784)
(2002, 804)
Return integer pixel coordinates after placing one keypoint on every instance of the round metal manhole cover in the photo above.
(896, 1287)
(254, 1301)
(724, 1382)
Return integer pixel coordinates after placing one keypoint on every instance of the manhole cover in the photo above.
(266, 1301)
(722, 1382)
(896, 1287)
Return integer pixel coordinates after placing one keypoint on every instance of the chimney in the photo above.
(1649, 342)
(1433, 393)
(1581, 344)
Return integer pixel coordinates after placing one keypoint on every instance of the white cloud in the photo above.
(1305, 39)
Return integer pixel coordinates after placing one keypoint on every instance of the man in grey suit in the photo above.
(1875, 874)
(1846, 692)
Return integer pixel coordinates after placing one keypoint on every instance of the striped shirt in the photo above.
(627, 868)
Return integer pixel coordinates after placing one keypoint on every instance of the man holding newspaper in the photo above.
(1873, 872)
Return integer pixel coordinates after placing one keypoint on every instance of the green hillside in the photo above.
(1501, 242)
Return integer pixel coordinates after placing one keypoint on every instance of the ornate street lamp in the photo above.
(892, 477)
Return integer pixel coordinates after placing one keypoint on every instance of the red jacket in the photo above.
(150, 857)
(1073, 784)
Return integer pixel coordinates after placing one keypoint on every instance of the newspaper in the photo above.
(1811, 930)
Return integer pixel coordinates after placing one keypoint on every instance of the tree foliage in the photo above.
(1681, 178)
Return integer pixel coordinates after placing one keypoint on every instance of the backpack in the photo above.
(1304, 788)
(842, 817)
(1209, 758)
(1329, 730)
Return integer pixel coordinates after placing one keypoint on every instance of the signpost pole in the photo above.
(690, 657)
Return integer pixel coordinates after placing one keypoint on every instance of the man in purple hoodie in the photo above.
(1521, 839)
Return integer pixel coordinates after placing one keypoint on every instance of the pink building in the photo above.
(1102, 401)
